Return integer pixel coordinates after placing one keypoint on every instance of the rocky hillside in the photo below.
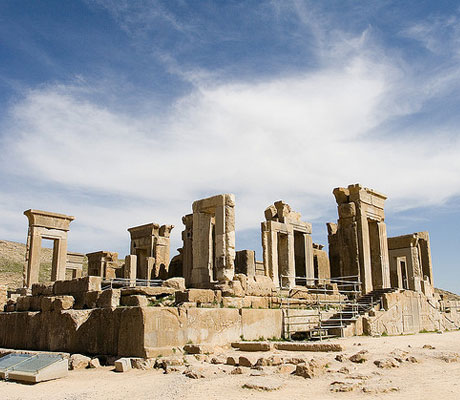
(12, 256)
(447, 295)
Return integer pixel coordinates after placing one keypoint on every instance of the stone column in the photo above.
(33, 264)
(364, 254)
(309, 263)
(291, 261)
(202, 249)
(130, 270)
(384, 258)
(59, 259)
(413, 270)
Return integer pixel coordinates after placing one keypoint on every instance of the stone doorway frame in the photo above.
(46, 225)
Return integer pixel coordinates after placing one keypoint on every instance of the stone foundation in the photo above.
(134, 331)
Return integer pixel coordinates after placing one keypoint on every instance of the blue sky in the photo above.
(124, 112)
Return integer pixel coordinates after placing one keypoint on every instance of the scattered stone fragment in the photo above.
(78, 361)
(94, 363)
(195, 373)
(412, 359)
(286, 369)
(429, 347)
(232, 360)
(379, 388)
(142, 363)
(360, 377)
(122, 365)
(237, 371)
(219, 359)
(344, 370)
(292, 346)
(198, 349)
(387, 363)
(450, 357)
(248, 360)
(271, 361)
(295, 360)
(359, 357)
(339, 357)
(263, 383)
(339, 386)
(254, 346)
(312, 369)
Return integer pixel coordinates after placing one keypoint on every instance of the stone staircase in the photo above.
(339, 322)
(336, 324)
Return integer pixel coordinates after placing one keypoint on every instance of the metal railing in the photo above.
(127, 282)
(346, 307)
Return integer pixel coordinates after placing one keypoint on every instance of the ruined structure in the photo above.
(287, 246)
(209, 241)
(322, 268)
(103, 264)
(46, 225)
(150, 245)
(208, 293)
(410, 262)
(358, 242)
(74, 265)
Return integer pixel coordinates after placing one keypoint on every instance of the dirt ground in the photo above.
(435, 375)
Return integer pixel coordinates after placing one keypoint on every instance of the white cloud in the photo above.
(293, 138)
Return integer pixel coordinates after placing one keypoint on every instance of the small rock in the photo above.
(296, 360)
(339, 357)
(263, 383)
(78, 361)
(359, 357)
(450, 357)
(95, 363)
(312, 369)
(429, 347)
(123, 365)
(271, 361)
(344, 370)
(387, 363)
(218, 359)
(237, 371)
(412, 359)
(360, 377)
(286, 369)
(143, 363)
(339, 386)
(378, 388)
(195, 373)
(232, 360)
(248, 361)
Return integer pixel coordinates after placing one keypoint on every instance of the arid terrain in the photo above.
(428, 368)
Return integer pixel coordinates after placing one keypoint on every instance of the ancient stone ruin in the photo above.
(149, 303)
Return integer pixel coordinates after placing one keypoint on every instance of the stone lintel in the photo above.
(209, 204)
(48, 219)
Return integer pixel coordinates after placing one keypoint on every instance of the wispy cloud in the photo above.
(293, 136)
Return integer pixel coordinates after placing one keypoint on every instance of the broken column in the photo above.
(287, 246)
(358, 243)
(213, 240)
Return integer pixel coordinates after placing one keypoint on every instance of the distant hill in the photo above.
(12, 256)
(447, 295)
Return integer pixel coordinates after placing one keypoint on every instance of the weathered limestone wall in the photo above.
(134, 331)
(409, 312)
(3, 296)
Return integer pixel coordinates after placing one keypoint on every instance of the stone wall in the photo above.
(134, 331)
(409, 312)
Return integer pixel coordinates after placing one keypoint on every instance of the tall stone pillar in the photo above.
(33, 262)
(202, 249)
(384, 257)
(364, 254)
(309, 263)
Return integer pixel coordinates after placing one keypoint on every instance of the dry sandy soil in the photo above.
(432, 377)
